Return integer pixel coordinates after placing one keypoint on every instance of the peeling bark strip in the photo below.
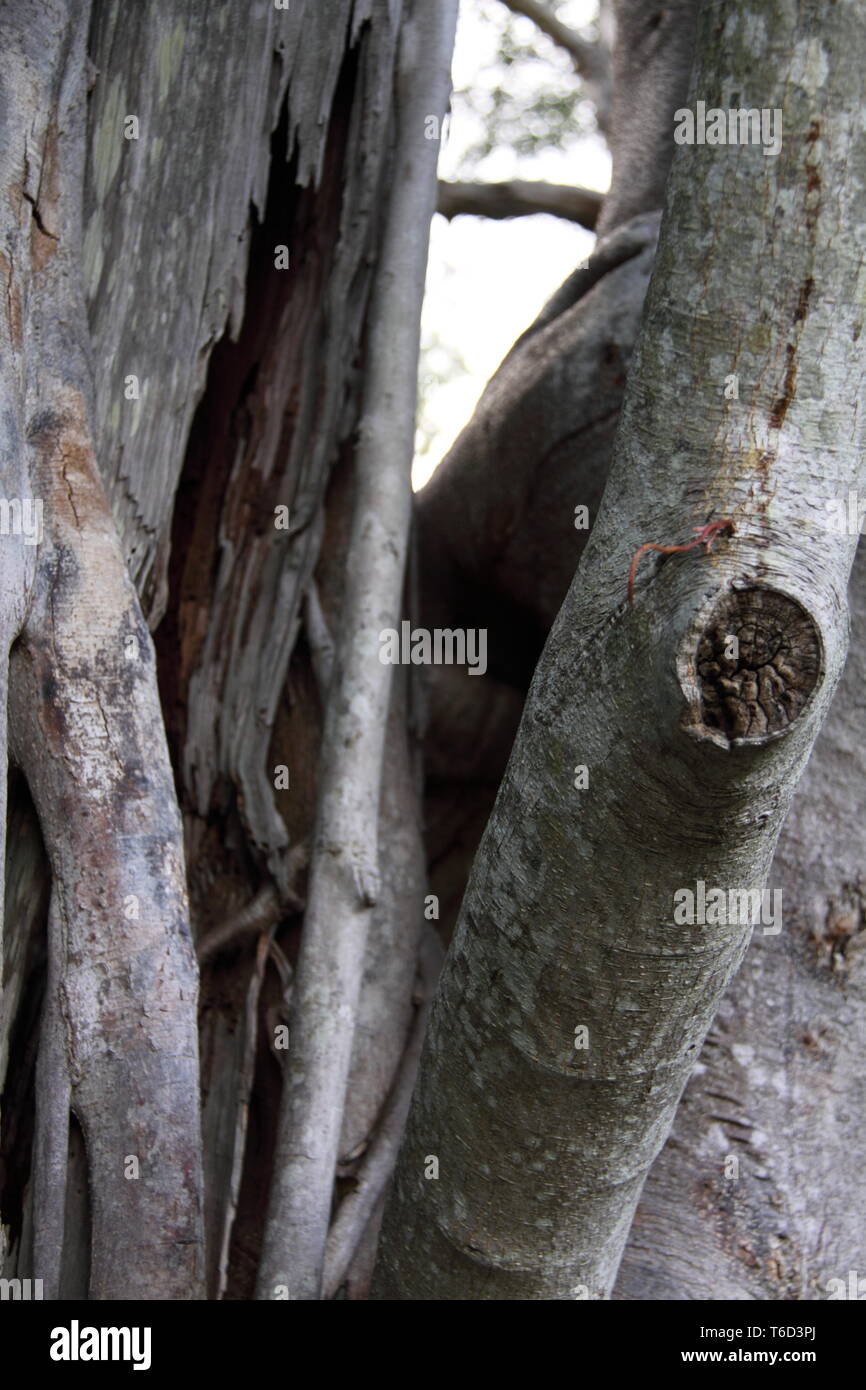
(543, 1146)
(344, 872)
(120, 1038)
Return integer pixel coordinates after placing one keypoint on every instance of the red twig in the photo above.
(704, 535)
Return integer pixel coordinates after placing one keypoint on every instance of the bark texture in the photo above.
(543, 1146)
(759, 1192)
(262, 130)
(119, 1042)
(257, 128)
(345, 873)
(504, 520)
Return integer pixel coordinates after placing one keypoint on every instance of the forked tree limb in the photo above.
(497, 522)
(344, 870)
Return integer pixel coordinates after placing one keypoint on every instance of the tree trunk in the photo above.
(600, 1006)
(229, 465)
(212, 266)
(759, 1192)
(119, 1045)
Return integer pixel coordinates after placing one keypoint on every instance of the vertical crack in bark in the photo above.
(269, 431)
(779, 408)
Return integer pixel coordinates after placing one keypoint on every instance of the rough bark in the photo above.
(251, 387)
(270, 127)
(119, 1044)
(533, 1200)
(279, 411)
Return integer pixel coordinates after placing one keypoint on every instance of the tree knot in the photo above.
(758, 661)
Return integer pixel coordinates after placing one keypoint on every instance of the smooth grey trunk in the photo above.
(500, 535)
(759, 1192)
(542, 1132)
(651, 57)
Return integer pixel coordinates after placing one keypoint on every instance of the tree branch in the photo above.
(344, 868)
(652, 61)
(674, 1254)
(121, 1041)
(359, 1206)
(519, 198)
(264, 911)
(53, 1099)
(245, 1087)
(589, 60)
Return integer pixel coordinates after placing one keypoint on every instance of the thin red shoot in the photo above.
(704, 535)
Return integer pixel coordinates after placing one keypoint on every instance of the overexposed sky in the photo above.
(487, 280)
